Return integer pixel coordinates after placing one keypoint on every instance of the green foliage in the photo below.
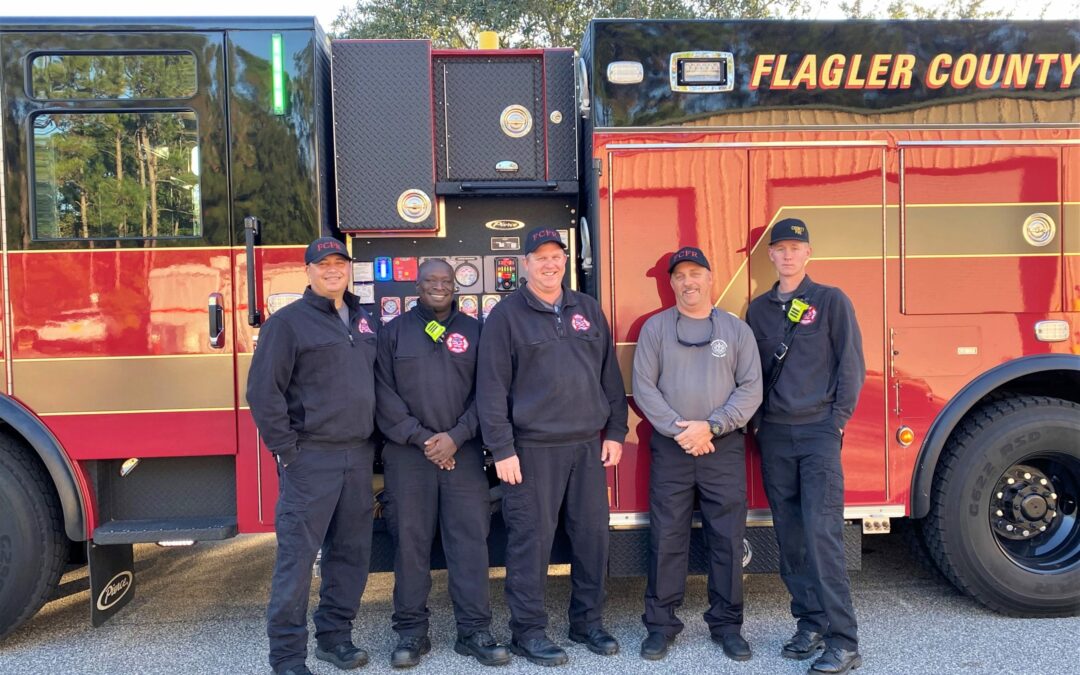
(928, 9)
(530, 23)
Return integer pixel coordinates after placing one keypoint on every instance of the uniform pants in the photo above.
(324, 502)
(719, 481)
(421, 499)
(574, 478)
(804, 482)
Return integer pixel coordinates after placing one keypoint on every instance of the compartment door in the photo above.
(981, 229)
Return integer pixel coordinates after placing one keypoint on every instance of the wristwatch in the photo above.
(716, 429)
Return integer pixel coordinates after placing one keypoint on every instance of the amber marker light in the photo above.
(905, 436)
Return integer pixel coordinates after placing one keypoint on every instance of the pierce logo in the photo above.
(504, 225)
(115, 590)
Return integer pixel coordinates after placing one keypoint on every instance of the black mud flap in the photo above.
(112, 580)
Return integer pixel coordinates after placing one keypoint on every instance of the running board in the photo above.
(165, 529)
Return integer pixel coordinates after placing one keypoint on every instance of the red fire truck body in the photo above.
(161, 178)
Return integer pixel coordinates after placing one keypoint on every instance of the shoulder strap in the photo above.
(780, 355)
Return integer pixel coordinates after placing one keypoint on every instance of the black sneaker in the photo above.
(344, 655)
(483, 647)
(541, 651)
(408, 651)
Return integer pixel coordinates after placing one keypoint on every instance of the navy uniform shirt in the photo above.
(425, 386)
(548, 377)
(312, 379)
(825, 369)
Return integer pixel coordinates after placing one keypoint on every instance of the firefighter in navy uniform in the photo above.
(697, 378)
(548, 386)
(434, 467)
(311, 391)
(811, 354)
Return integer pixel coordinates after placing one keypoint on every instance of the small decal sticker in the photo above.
(457, 343)
(363, 327)
(580, 323)
(809, 316)
(719, 348)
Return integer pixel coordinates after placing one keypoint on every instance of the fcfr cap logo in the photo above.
(797, 229)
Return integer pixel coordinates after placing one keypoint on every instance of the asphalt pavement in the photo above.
(201, 610)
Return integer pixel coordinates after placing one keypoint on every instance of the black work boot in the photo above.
(598, 640)
(483, 647)
(836, 661)
(735, 646)
(541, 651)
(344, 655)
(802, 645)
(655, 646)
(301, 669)
(408, 651)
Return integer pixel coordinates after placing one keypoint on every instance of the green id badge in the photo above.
(797, 308)
(434, 330)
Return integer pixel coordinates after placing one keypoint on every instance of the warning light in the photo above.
(905, 436)
(276, 61)
(384, 269)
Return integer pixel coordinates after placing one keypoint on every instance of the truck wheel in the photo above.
(32, 541)
(1003, 523)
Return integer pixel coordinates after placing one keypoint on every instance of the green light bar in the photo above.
(278, 73)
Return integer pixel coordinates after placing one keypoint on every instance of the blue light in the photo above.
(383, 269)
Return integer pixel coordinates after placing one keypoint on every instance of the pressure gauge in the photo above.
(466, 275)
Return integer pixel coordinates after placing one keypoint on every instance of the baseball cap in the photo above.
(539, 236)
(789, 229)
(322, 247)
(687, 254)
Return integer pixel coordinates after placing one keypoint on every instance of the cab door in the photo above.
(118, 236)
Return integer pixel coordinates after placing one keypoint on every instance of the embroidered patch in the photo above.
(580, 323)
(809, 316)
(719, 348)
(363, 327)
(457, 343)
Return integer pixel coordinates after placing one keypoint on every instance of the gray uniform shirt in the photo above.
(719, 382)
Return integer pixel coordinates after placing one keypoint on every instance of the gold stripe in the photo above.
(155, 411)
(111, 384)
(158, 357)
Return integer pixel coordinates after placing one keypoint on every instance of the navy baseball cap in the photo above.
(687, 254)
(539, 236)
(322, 247)
(789, 229)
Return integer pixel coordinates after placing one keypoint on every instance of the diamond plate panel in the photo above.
(470, 95)
(561, 93)
(382, 131)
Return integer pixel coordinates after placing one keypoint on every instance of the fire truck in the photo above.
(160, 178)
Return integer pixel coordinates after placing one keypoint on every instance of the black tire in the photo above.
(982, 529)
(33, 545)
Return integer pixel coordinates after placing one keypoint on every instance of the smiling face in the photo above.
(545, 268)
(692, 283)
(329, 277)
(435, 286)
(790, 258)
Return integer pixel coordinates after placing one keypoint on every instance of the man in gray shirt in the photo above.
(697, 378)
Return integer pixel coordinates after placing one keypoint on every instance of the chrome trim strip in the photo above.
(758, 517)
(1067, 141)
(885, 334)
(749, 144)
(9, 378)
(831, 127)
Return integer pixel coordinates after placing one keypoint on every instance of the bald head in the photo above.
(432, 264)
